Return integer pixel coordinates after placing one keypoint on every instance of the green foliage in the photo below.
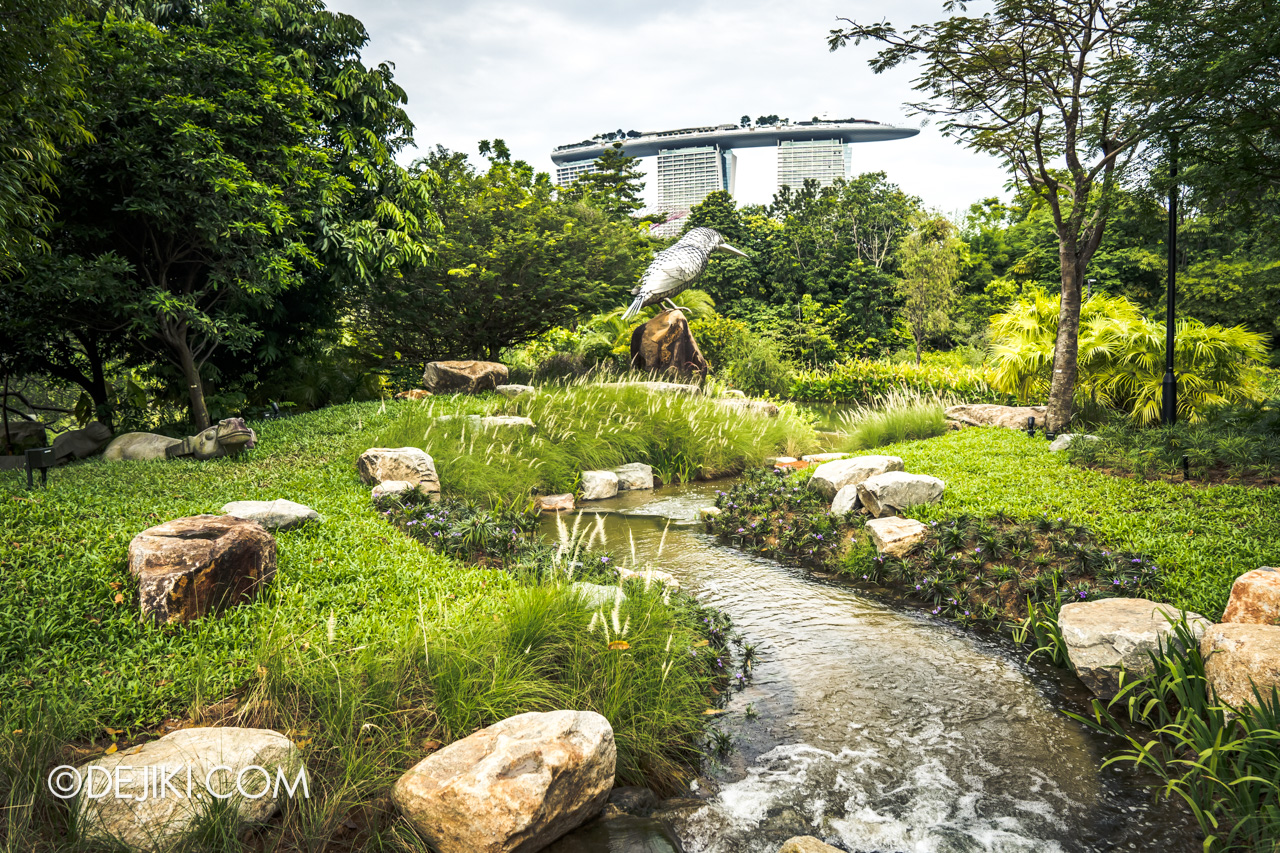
(1229, 443)
(40, 75)
(586, 426)
(1122, 357)
(512, 262)
(614, 186)
(861, 381)
(930, 262)
(720, 339)
(1223, 762)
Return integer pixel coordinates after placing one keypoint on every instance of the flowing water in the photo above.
(880, 729)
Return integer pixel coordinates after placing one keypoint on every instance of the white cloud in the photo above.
(545, 74)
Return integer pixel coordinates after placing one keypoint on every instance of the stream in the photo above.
(874, 727)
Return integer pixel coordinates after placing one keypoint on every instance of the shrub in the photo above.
(862, 381)
(1122, 357)
(901, 416)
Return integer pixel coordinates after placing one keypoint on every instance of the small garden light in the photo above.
(1031, 426)
(43, 459)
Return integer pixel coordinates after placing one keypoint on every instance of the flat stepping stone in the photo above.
(279, 514)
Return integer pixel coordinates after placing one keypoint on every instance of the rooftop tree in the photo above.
(1052, 88)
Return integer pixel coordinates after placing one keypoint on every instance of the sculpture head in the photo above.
(710, 239)
(228, 437)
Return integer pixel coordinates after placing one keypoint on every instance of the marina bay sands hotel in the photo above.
(695, 161)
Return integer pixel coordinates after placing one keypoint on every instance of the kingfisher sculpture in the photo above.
(675, 269)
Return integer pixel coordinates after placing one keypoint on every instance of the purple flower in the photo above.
(604, 559)
(741, 530)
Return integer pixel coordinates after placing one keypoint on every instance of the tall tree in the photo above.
(614, 186)
(1053, 88)
(40, 74)
(511, 261)
(930, 262)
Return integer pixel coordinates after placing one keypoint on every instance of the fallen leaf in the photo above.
(115, 585)
(431, 744)
(119, 597)
(619, 646)
(111, 749)
(701, 643)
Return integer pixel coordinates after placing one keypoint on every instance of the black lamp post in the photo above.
(41, 459)
(1169, 403)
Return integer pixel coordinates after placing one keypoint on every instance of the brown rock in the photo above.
(806, 844)
(413, 394)
(1255, 597)
(514, 787)
(1113, 634)
(1238, 656)
(894, 537)
(408, 464)
(192, 566)
(665, 345)
(555, 503)
(989, 414)
(467, 377)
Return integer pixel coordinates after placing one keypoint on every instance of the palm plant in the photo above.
(1122, 357)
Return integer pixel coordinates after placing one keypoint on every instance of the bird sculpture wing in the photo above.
(671, 272)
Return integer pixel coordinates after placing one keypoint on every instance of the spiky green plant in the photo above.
(1122, 355)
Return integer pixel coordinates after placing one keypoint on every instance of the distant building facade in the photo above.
(823, 160)
(694, 162)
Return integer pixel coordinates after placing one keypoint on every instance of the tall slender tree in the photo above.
(1052, 88)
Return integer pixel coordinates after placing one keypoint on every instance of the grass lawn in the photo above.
(1202, 537)
(365, 648)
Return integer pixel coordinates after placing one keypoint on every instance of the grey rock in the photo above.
(1241, 656)
(466, 377)
(989, 414)
(516, 390)
(806, 844)
(410, 464)
(23, 435)
(1112, 635)
(845, 501)
(894, 491)
(634, 800)
(830, 477)
(390, 487)
(634, 475)
(81, 443)
(1063, 441)
(141, 821)
(599, 485)
(761, 408)
(279, 514)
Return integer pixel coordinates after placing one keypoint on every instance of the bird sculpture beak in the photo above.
(725, 247)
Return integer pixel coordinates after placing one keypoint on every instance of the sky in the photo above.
(544, 74)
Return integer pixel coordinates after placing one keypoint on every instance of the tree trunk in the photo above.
(195, 388)
(1062, 388)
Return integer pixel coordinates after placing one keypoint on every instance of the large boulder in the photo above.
(1239, 656)
(391, 487)
(467, 377)
(1113, 634)
(1255, 597)
(989, 414)
(22, 435)
(191, 566)
(598, 485)
(894, 491)
(513, 787)
(831, 477)
(555, 503)
(664, 345)
(409, 464)
(81, 443)
(634, 475)
(894, 537)
(274, 515)
(167, 786)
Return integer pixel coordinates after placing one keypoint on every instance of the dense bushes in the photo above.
(861, 380)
